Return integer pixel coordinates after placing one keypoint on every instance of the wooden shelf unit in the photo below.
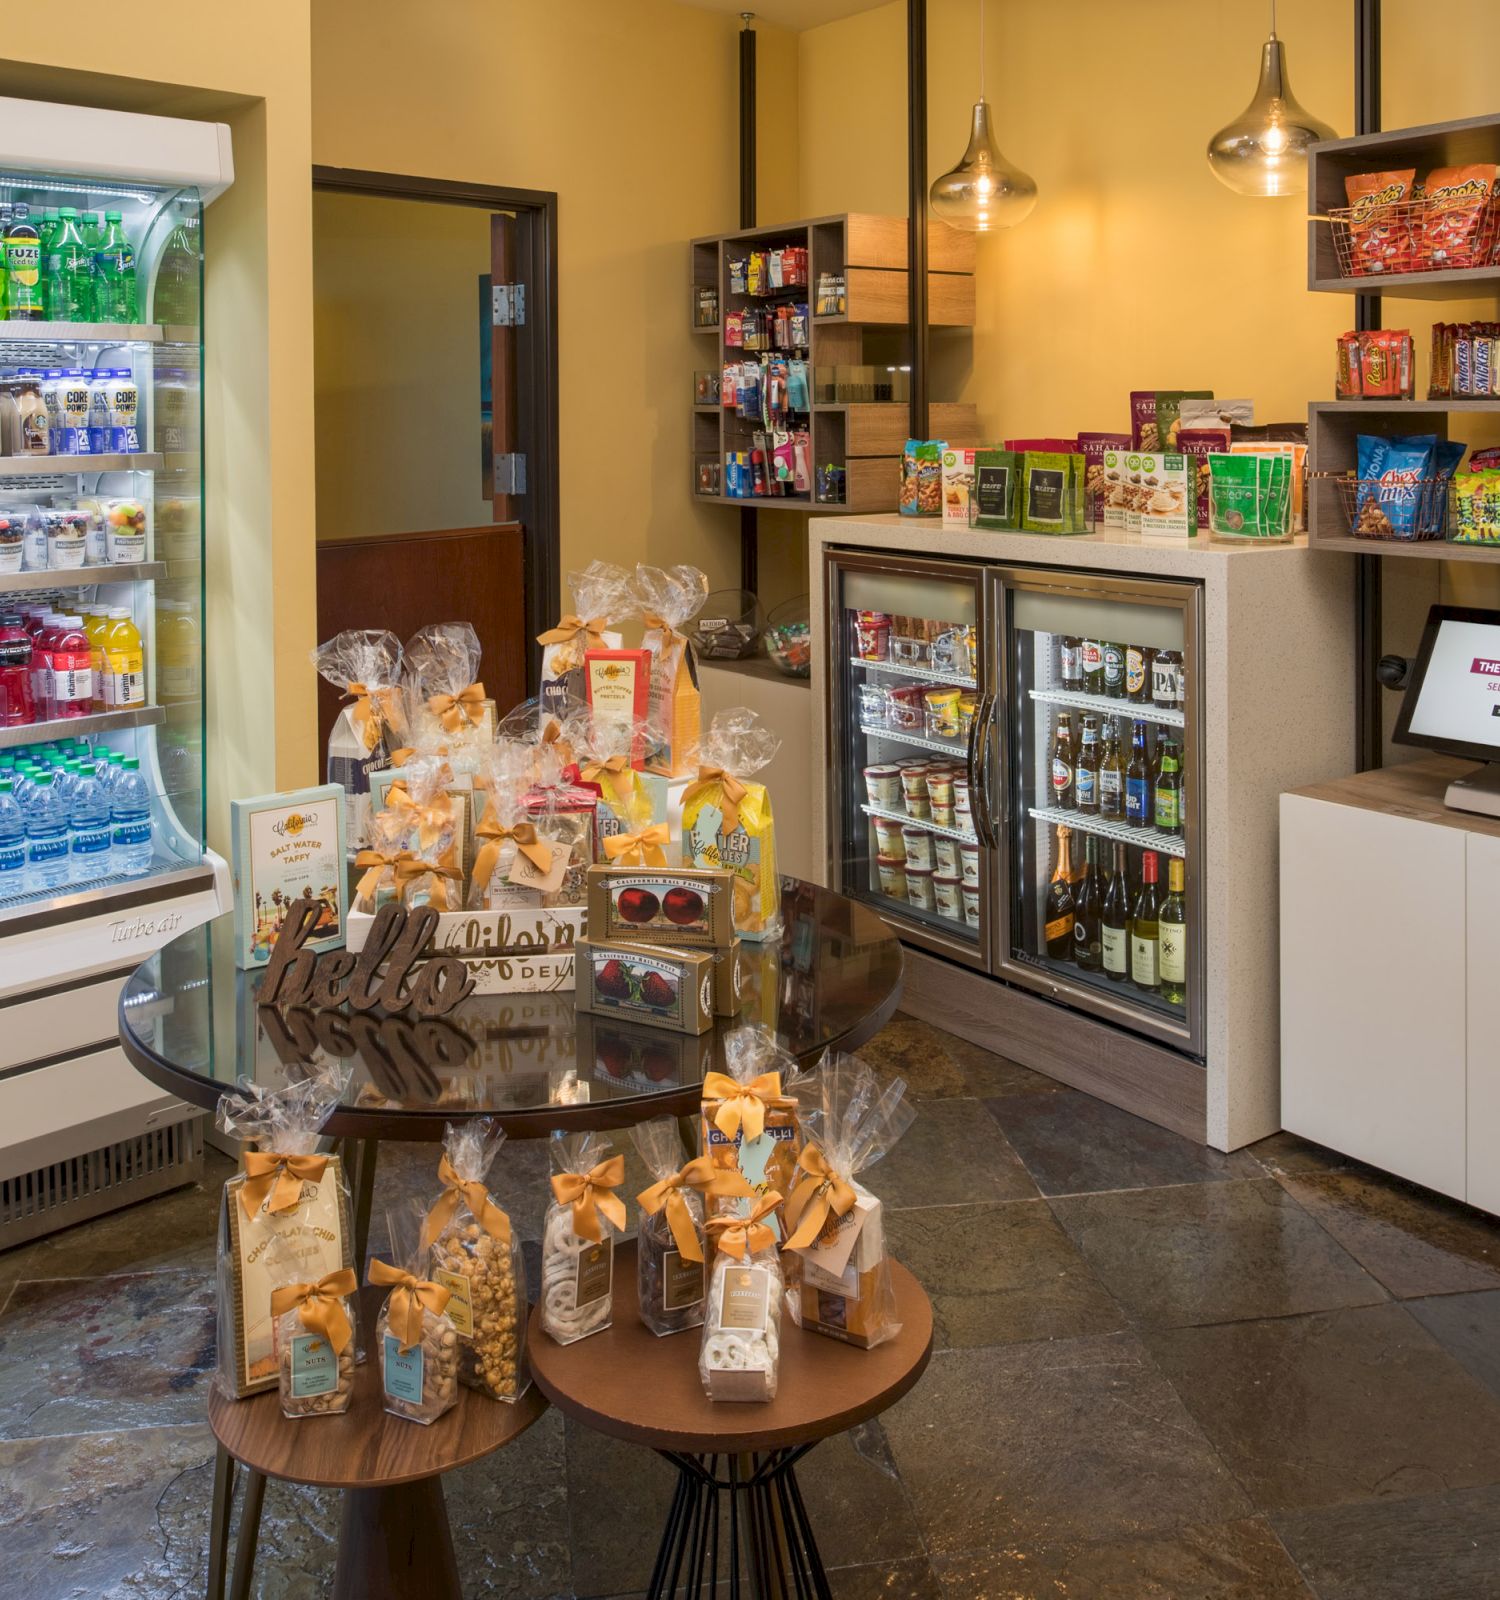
(863, 437)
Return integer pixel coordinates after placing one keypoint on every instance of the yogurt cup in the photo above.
(947, 895)
(917, 843)
(968, 855)
(888, 839)
(945, 854)
(919, 887)
(893, 877)
(883, 785)
(971, 905)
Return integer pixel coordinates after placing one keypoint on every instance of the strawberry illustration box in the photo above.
(648, 983)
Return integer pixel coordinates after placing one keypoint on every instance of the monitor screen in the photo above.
(1453, 699)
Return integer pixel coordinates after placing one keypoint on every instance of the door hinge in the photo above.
(508, 305)
(510, 473)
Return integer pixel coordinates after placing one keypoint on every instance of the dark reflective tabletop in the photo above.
(190, 1021)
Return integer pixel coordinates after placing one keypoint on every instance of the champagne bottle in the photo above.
(1114, 921)
(1058, 935)
(1172, 926)
(1088, 898)
(1145, 933)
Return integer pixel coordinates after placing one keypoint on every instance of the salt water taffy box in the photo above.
(727, 822)
(288, 847)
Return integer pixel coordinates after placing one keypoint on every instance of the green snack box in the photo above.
(1051, 489)
(994, 498)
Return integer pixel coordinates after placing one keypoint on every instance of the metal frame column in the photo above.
(1368, 572)
(749, 525)
(916, 249)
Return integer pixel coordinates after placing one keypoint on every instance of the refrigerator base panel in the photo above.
(1110, 989)
(1146, 1079)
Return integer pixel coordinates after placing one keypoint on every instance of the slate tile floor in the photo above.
(1161, 1372)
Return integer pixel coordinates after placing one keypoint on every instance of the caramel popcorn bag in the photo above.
(726, 819)
(669, 598)
(750, 1126)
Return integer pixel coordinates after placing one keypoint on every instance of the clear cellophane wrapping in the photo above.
(659, 1273)
(736, 1362)
(445, 700)
(575, 1268)
(419, 1397)
(365, 666)
(736, 744)
(312, 1385)
(602, 599)
(604, 747)
(434, 820)
(852, 1120)
(671, 596)
(769, 1161)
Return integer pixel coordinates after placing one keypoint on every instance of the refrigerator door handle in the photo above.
(979, 778)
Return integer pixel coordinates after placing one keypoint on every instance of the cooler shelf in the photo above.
(890, 815)
(83, 333)
(920, 741)
(1167, 844)
(77, 727)
(1109, 708)
(81, 577)
(73, 466)
(925, 674)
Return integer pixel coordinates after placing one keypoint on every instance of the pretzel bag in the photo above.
(839, 1275)
(726, 819)
(669, 598)
(286, 1191)
(476, 1256)
(740, 1354)
(364, 665)
(578, 1236)
(601, 597)
(446, 702)
(417, 1340)
(750, 1125)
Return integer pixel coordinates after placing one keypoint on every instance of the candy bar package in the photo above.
(922, 478)
(414, 1335)
(601, 598)
(1380, 230)
(365, 666)
(474, 1253)
(838, 1272)
(1093, 448)
(446, 703)
(739, 1356)
(726, 818)
(289, 1192)
(750, 1124)
(668, 599)
(690, 906)
(578, 1236)
(313, 1324)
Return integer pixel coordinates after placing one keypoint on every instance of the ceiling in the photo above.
(794, 14)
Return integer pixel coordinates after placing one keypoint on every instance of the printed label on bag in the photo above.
(596, 1267)
(403, 1373)
(745, 1299)
(315, 1368)
(460, 1307)
(681, 1281)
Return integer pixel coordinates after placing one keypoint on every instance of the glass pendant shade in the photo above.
(1263, 151)
(984, 192)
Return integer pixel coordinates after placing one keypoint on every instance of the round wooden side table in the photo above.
(394, 1542)
(738, 1459)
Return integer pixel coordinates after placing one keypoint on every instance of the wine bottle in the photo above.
(1172, 925)
(1088, 902)
(1145, 933)
(1114, 921)
(1058, 935)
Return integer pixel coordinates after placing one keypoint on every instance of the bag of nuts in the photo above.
(417, 1340)
(475, 1256)
(314, 1336)
(670, 1268)
(578, 1236)
(740, 1355)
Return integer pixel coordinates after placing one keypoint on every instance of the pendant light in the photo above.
(1263, 152)
(984, 192)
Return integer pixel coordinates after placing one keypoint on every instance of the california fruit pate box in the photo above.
(647, 983)
(667, 905)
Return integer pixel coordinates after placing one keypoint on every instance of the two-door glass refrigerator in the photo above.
(1016, 780)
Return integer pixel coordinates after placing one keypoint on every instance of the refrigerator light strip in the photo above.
(1167, 844)
(926, 674)
(892, 815)
(947, 747)
(1110, 708)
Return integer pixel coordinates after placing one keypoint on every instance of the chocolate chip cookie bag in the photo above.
(838, 1271)
(578, 1236)
(474, 1253)
(739, 1357)
(415, 1336)
(313, 1328)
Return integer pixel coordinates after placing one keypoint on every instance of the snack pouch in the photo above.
(287, 1192)
(601, 597)
(1470, 499)
(994, 500)
(1197, 444)
(364, 665)
(415, 1336)
(313, 1326)
(668, 599)
(922, 478)
(1234, 496)
(838, 1271)
(739, 1356)
(1457, 224)
(1093, 448)
(476, 1256)
(749, 1123)
(1168, 412)
(446, 703)
(1393, 474)
(578, 1236)
(726, 819)
(1380, 228)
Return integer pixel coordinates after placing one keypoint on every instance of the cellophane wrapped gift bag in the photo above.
(313, 1326)
(629, 800)
(739, 1357)
(288, 1191)
(378, 860)
(446, 702)
(749, 1121)
(363, 664)
(476, 1256)
(726, 818)
(414, 1335)
(668, 599)
(602, 599)
(434, 820)
(838, 1271)
(578, 1236)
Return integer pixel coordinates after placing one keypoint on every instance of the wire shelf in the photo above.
(1412, 236)
(1373, 507)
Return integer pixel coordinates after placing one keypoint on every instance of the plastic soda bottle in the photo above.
(46, 834)
(70, 272)
(114, 273)
(92, 822)
(124, 662)
(72, 686)
(130, 825)
(13, 875)
(23, 268)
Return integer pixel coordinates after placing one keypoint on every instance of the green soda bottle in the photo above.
(47, 228)
(23, 268)
(114, 273)
(70, 282)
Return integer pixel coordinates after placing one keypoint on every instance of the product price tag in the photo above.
(745, 1299)
(525, 874)
(596, 1267)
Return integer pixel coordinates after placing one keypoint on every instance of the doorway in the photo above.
(436, 417)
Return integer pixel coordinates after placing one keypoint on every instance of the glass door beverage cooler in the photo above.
(1016, 776)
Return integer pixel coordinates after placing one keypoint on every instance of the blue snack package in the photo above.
(1392, 474)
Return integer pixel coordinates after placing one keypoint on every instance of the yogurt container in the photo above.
(945, 856)
(947, 895)
(917, 844)
(919, 887)
(883, 785)
(968, 855)
(894, 877)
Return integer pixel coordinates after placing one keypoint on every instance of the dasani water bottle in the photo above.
(130, 813)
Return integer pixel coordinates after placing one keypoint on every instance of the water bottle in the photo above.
(47, 835)
(91, 814)
(13, 875)
(130, 812)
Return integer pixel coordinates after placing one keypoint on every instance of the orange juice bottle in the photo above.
(95, 624)
(124, 662)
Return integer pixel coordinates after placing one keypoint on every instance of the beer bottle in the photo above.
(1088, 907)
(1072, 663)
(1114, 921)
(1092, 653)
(1086, 778)
(1172, 926)
(1145, 934)
(1166, 680)
(1063, 792)
(1114, 670)
(1058, 934)
(1138, 673)
(1111, 774)
(1137, 780)
(1167, 804)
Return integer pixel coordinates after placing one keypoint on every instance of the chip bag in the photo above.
(1381, 234)
(1395, 475)
(726, 819)
(1457, 222)
(669, 598)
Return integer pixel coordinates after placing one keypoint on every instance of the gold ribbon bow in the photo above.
(743, 1105)
(821, 1192)
(410, 1297)
(536, 850)
(643, 848)
(374, 711)
(431, 821)
(700, 1174)
(322, 1306)
(281, 1177)
(739, 1236)
(408, 871)
(375, 862)
(475, 1196)
(653, 623)
(617, 770)
(553, 734)
(460, 710)
(576, 633)
(591, 1192)
(730, 787)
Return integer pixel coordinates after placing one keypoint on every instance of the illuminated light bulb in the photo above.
(984, 192)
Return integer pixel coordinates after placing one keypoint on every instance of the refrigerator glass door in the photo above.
(1100, 693)
(910, 688)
